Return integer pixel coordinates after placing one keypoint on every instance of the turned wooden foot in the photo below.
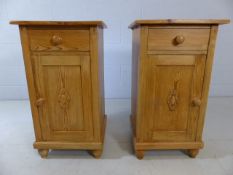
(192, 152)
(43, 153)
(96, 153)
(139, 154)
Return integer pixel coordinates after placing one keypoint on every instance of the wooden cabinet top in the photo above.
(60, 23)
(179, 22)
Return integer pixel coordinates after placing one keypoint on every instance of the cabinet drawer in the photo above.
(178, 39)
(59, 40)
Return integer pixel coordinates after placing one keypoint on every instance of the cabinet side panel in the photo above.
(96, 44)
(142, 85)
(101, 80)
(135, 72)
(207, 78)
(30, 82)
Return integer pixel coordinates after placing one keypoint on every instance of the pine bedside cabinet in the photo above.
(171, 70)
(64, 69)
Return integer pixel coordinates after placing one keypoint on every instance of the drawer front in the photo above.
(178, 39)
(59, 40)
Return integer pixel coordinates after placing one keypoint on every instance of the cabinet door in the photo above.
(171, 95)
(63, 85)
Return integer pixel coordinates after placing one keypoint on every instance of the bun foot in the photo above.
(43, 153)
(96, 153)
(139, 154)
(192, 152)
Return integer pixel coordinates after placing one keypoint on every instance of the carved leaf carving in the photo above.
(63, 98)
(63, 94)
(172, 99)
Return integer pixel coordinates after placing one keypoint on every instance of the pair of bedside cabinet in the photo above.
(171, 69)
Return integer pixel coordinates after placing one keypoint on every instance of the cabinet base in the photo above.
(191, 147)
(140, 147)
(43, 147)
(94, 148)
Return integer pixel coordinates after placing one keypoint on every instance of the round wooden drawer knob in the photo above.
(179, 39)
(56, 40)
(196, 102)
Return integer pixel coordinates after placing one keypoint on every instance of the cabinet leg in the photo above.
(192, 152)
(43, 153)
(139, 154)
(96, 153)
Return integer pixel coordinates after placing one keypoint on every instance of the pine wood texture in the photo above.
(179, 22)
(178, 39)
(61, 23)
(64, 69)
(171, 70)
(47, 39)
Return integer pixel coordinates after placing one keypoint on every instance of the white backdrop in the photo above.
(117, 14)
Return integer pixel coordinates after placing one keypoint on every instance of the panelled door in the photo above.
(63, 86)
(171, 96)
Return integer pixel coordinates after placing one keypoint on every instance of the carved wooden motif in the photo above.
(173, 97)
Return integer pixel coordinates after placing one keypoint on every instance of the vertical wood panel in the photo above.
(207, 78)
(134, 83)
(30, 81)
(66, 113)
